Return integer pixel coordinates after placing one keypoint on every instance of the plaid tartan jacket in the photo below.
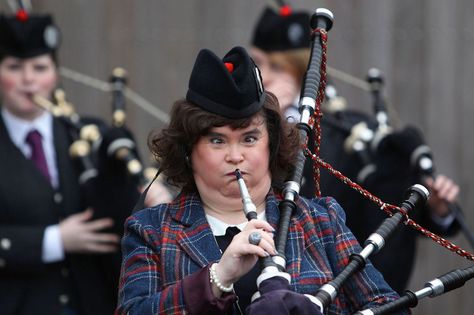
(166, 246)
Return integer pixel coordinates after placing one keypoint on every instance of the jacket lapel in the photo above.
(11, 151)
(196, 238)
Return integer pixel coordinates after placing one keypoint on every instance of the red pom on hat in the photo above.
(21, 15)
(229, 66)
(285, 10)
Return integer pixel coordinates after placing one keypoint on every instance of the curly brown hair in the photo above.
(173, 145)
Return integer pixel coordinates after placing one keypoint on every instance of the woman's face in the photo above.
(269, 70)
(217, 155)
(276, 78)
(20, 79)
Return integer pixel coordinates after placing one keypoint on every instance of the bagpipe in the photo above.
(410, 144)
(123, 148)
(120, 143)
(443, 284)
(369, 141)
(85, 136)
(93, 141)
(372, 139)
(273, 282)
(111, 174)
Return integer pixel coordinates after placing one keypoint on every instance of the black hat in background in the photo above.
(230, 87)
(26, 36)
(282, 31)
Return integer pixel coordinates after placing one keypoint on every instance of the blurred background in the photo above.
(424, 49)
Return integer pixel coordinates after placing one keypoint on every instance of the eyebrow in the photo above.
(250, 132)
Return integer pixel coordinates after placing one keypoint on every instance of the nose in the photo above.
(28, 74)
(234, 154)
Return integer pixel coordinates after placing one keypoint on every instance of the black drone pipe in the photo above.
(118, 81)
(321, 19)
(447, 282)
(375, 80)
(120, 144)
(416, 197)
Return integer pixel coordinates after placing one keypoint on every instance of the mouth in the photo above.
(233, 173)
(28, 95)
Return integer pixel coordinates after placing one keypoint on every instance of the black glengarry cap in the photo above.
(230, 87)
(26, 36)
(282, 31)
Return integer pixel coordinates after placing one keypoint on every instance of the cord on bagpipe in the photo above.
(391, 209)
(376, 240)
(417, 195)
(408, 142)
(367, 142)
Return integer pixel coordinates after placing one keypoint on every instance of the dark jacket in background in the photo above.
(28, 204)
(390, 182)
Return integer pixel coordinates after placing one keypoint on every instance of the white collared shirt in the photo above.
(219, 227)
(18, 129)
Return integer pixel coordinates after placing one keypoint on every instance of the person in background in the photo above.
(55, 249)
(198, 254)
(280, 47)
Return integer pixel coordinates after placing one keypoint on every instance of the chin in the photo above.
(233, 194)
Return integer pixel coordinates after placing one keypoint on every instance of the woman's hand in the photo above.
(240, 256)
(443, 190)
(80, 234)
